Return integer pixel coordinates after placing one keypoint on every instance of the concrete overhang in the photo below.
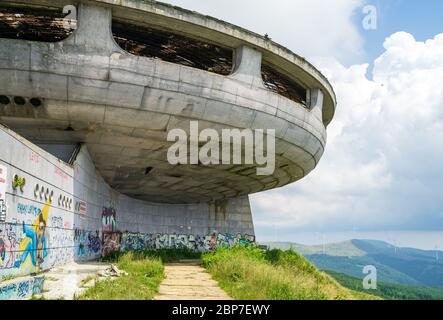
(122, 106)
(196, 25)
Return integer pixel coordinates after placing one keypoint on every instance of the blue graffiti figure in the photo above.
(36, 248)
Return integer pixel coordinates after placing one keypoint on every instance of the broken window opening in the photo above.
(283, 85)
(171, 47)
(34, 24)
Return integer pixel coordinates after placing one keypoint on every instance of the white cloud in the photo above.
(308, 27)
(382, 168)
(383, 164)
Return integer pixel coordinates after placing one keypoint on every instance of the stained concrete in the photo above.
(122, 106)
(187, 280)
(69, 281)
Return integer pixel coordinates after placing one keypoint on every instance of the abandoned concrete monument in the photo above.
(89, 91)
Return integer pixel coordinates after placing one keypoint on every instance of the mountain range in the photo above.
(405, 266)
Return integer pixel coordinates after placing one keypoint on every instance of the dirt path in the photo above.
(187, 280)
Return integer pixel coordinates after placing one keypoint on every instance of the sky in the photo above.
(381, 175)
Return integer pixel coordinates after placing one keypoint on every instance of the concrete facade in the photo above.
(84, 218)
(120, 107)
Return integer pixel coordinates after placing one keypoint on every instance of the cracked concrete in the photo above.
(69, 281)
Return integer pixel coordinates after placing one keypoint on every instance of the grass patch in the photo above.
(86, 280)
(144, 276)
(165, 255)
(145, 272)
(248, 273)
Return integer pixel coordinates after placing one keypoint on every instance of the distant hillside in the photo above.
(248, 273)
(394, 265)
(388, 290)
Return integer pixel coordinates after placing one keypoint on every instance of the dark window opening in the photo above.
(281, 84)
(46, 25)
(167, 46)
(36, 102)
(19, 101)
(64, 152)
(4, 100)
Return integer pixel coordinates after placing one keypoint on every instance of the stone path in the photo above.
(187, 280)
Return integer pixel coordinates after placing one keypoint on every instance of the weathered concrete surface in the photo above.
(122, 106)
(187, 280)
(53, 191)
(71, 280)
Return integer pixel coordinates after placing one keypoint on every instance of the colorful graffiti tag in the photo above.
(111, 238)
(139, 241)
(109, 222)
(34, 240)
(87, 244)
(3, 176)
(33, 244)
(22, 289)
(111, 242)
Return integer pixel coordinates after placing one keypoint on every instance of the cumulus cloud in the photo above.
(383, 165)
(382, 169)
(308, 27)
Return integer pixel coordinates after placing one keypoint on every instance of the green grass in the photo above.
(165, 255)
(389, 290)
(248, 273)
(145, 273)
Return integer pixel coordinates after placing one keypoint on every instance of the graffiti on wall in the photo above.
(9, 241)
(111, 238)
(2, 210)
(60, 237)
(34, 240)
(109, 222)
(26, 209)
(18, 182)
(23, 289)
(111, 242)
(3, 182)
(87, 244)
(139, 241)
(33, 244)
(80, 208)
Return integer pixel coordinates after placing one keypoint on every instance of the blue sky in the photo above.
(421, 18)
(381, 176)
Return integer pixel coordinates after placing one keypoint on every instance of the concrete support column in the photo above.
(247, 66)
(316, 102)
(94, 32)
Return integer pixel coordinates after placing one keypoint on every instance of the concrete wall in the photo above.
(53, 213)
(28, 207)
(22, 288)
(122, 107)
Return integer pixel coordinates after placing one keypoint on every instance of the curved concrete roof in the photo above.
(197, 25)
(122, 106)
